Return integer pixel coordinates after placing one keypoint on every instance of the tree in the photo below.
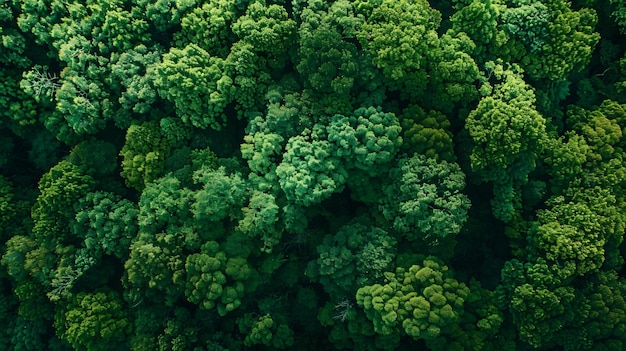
(508, 136)
(201, 76)
(423, 300)
(215, 280)
(162, 280)
(94, 321)
(549, 312)
(367, 140)
(87, 39)
(329, 61)
(207, 25)
(220, 197)
(106, 223)
(260, 219)
(268, 28)
(581, 230)
(165, 205)
(481, 326)
(265, 331)
(60, 188)
(538, 301)
(423, 198)
(479, 20)
(143, 154)
(427, 133)
(7, 207)
(619, 14)
(355, 256)
(528, 22)
(130, 70)
(246, 78)
(453, 73)
(571, 43)
(310, 172)
(505, 125)
(398, 34)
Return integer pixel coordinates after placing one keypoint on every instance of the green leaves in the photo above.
(155, 268)
(572, 42)
(106, 223)
(505, 126)
(265, 331)
(424, 199)
(275, 171)
(423, 300)
(309, 172)
(619, 14)
(398, 34)
(427, 133)
(260, 219)
(213, 280)
(329, 59)
(268, 28)
(207, 25)
(539, 302)
(368, 139)
(220, 194)
(354, 256)
(60, 189)
(7, 206)
(195, 72)
(95, 321)
(143, 155)
(529, 23)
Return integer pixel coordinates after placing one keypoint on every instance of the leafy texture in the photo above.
(424, 199)
(423, 301)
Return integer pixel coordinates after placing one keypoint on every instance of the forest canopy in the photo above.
(312, 175)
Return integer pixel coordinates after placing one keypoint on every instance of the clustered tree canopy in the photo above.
(312, 175)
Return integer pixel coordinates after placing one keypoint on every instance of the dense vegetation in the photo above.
(312, 175)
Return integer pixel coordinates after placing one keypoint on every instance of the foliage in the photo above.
(201, 76)
(353, 257)
(398, 34)
(106, 223)
(424, 198)
(312, 175)
(427, 133)
(424, 300)
(310, 171)
(94, 322)
(143, 155)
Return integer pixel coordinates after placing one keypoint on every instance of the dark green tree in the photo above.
(424, 198)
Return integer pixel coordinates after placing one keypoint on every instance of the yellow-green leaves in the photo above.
(398, 34)
(95, 321)
(188, 78)
(143, 154)
(424, 300)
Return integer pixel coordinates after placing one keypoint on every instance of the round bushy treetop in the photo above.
(398, 34)
(215, 280)
(367, 140)
(310, 172)
(424, 300)
(143, 154)
(355, 256)
(106, 223)
(423, 198)
(193, 81)
(505, 126)
(95, 321)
